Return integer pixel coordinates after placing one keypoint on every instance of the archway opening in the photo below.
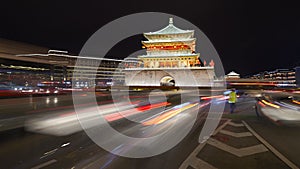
(167, 81)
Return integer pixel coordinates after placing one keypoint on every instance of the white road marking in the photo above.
(49, 153)
(271, 148)
(222, 126)
(236, 124)
(198, 163)
(44, 164)
(233, 134)
(192, 158)
(241, 152)
(66, 144)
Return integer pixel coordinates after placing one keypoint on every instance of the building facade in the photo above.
(280, 77)
(170, 60)
(60, 67)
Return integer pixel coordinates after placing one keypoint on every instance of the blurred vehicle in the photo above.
(30, 90)
(63, 122)
(280, 109)
(9, 89)
(51, 87)
(296, 99)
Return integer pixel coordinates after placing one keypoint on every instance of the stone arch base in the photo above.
(197, 76)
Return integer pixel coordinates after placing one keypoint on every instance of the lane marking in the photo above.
(236, 124)
(49, 153)
(45, 164)
(271, 148)
(198, 163)
(234, 134)
(192, 158)
(65, 144)
(241, 152)
(222, 126)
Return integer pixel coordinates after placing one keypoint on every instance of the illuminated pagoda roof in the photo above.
(170, 43)
(170, 32)
(170, 29)
(232, 73)
(191, 40)
(169, 55)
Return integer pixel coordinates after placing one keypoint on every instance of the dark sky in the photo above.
(250, 36)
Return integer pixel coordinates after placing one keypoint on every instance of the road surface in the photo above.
(242, 140)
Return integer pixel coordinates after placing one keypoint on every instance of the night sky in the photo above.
(250, 36)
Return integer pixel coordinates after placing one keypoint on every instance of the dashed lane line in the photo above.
(271, 148)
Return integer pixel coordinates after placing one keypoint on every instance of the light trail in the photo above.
(130, 112)
(270, 104)
(169, 114)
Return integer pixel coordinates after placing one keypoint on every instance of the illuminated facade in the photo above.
(170, 60)
(279, 77)
(170, 47)
(59, 67)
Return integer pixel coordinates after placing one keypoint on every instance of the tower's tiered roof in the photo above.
(190, 40)
(170, 47)
(170, 32)
(170, 29)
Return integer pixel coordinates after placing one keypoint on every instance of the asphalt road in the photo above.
(27, 149)
(23, 149)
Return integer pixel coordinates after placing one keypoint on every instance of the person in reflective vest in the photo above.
(232, 100)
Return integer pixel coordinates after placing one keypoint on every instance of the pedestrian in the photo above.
(232, 100)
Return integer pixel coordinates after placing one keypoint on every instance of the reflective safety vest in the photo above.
(232, 97)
